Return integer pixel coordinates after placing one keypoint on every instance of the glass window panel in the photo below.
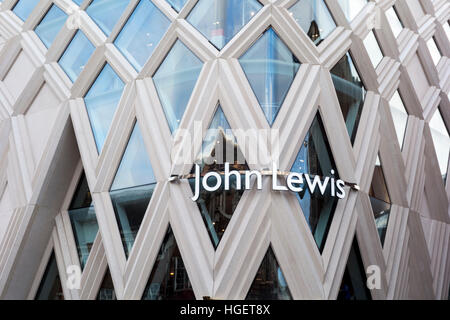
(220, 20)
(373, 49)
(441, 141)
(350, 91)
(106, 291)
(434, 50)
(130, 206)
(83, 220)
(400, 117)
(270, 68)
(78, 2)
(269, 283)
(23, 8)
(50, 25)
(177, 4)
(101, 103)
(50, 287)
(132, 189)
(175, 81)
(380, 200)
(315, 158)
(351, 8)
(135, 168)
(142, 33)
(106, 13)
(169, 279)
(217, 207)
(76, 55)
(314, 18)
(353, 285)
(394, 21)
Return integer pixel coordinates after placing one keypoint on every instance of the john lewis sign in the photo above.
(294, 181)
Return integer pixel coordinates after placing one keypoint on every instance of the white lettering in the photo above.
(294, 182)
(340, 186)
(293, 179)
(374, 277)
(212, 174)
(229, 173)
(275, 185)
(248, 175)
(312, 185)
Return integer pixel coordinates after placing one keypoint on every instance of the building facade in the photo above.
(100, 99)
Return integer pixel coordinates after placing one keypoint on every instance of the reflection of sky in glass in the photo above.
(142, 33)
(177, 4)
(314, 18)
(399, 115)
(23, 8)
(76, 55)
(135, 168)
(52, 23)
(270, 68)
(434, 50)
(220, 20)
(373, 49)
(106, 13)
(101, 103)
(351, 8)
(394, 21)
(441, 141)
(175, 81)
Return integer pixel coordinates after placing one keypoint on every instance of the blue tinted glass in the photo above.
(142, 33)
(52, 23)
(76, 55)
(315, 158)
(83, 220)
(270, 68)
(78, 2)
(220, 20)
(132, 189)
(135, 168)
(106, 13)
(23, 8)
(101, 103)
(350, 91)
(314, 18)
(175, 80)
(177, 4)
(130, 206)
(85, 228)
